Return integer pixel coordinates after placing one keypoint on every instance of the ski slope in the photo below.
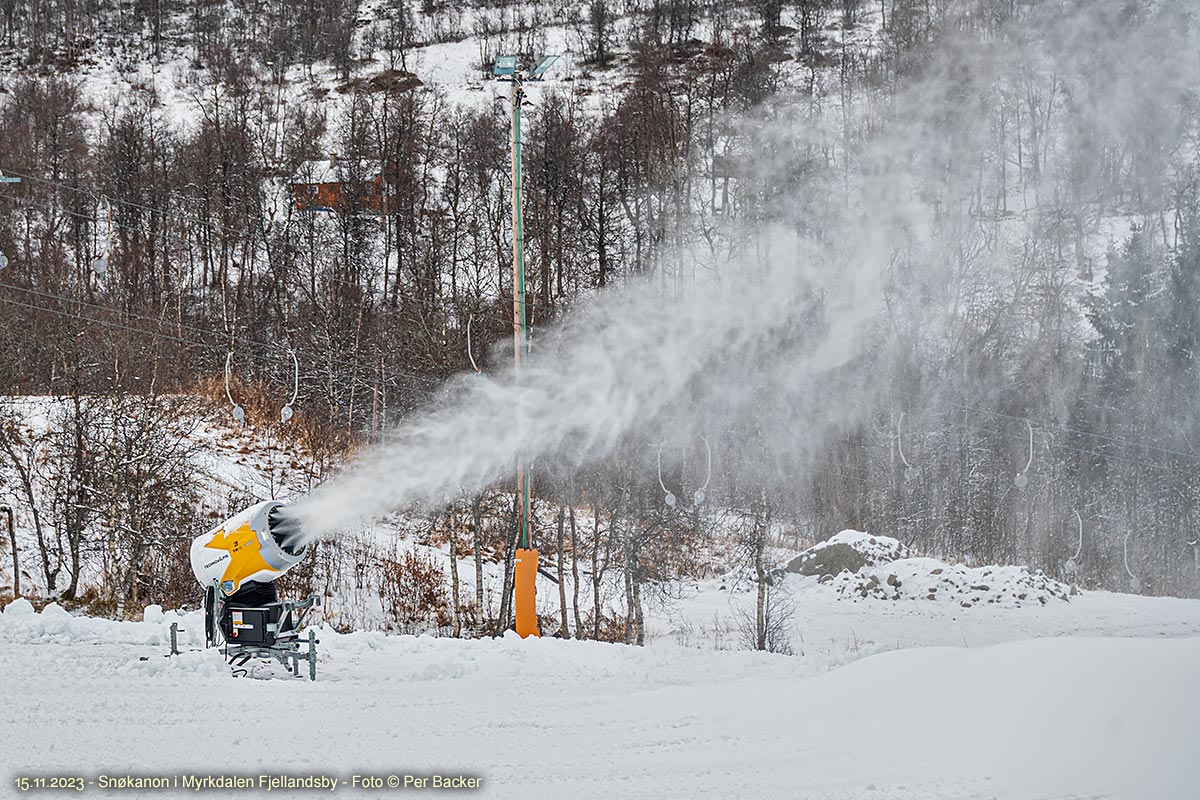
(1059, 717)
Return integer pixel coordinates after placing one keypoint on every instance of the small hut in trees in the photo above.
(337, 185)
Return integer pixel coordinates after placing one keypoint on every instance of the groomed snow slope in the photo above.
(1044, 718)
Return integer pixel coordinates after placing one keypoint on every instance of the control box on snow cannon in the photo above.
(259, 545)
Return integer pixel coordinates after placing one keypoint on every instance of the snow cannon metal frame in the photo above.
(268, 629)
(237, 563)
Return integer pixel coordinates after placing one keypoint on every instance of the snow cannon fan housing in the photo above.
(258, 544)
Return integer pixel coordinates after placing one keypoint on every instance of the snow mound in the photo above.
(931, 579)
(19, 608)
(20, 624)
(861, 566)
(876, 549)
(848, 550)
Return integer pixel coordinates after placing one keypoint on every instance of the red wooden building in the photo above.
(333, 186)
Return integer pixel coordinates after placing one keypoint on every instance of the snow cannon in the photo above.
(238, 563)
(258, 545)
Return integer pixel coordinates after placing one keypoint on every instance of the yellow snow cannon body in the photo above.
(257, 545)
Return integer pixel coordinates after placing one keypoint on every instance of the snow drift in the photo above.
(1112, 718)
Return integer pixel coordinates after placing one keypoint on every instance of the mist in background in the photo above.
(911, 299)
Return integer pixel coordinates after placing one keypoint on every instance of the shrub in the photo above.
(413, 590)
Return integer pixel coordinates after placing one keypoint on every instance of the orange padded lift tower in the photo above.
(524, 583)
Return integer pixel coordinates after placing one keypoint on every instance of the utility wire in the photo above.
(436, 383)
(507, 323)
(168, 240)
(836, 469)
(188, 343)
(178, 325)
(1051, 429)
(165, 212)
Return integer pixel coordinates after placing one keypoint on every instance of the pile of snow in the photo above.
(21, 624)
(931, 579)
(859, 566)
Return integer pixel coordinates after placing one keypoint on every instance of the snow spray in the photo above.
(756, 336)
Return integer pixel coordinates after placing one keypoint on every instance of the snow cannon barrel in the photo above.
(259, 544)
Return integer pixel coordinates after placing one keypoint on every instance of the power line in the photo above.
(188, 343)
(177, 324)
(433, 382)
(106, 323)
(1069, 448)
(844, 471)
(164, 212)
(130, 203)
(1050, 430)
(485, 315)
(168, 241)
(1096, 453)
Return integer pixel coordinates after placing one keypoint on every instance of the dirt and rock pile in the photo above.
(859, 566)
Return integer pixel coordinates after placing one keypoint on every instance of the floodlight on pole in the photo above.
(539, 69)
(526, 559)
(506, 66)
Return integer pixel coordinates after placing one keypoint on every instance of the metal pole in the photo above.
(520, 340)
(525, 572)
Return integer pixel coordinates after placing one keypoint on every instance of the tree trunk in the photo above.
(639, 618)
(564, 630)
(597, 572)
(761, 526)
(575, 574)
(510, 552)
(453, 518)
(477, 512)
(12, 537)
(760, 619)
(627, 546)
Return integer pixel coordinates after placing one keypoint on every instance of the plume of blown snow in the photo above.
(759, 341)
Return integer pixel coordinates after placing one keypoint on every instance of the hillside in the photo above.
(963, 241)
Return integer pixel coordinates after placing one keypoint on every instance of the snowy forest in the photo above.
(1018, 383)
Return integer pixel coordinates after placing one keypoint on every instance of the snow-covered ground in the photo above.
(966, 705)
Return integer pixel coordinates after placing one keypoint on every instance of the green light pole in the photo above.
(525, 574)
(520, 332)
